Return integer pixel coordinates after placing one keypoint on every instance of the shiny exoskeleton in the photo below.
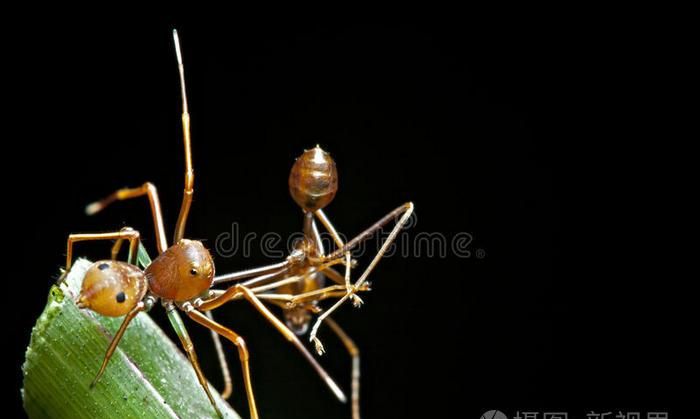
(313, 180)
(298, 284)
(180, 276)
(181, 273)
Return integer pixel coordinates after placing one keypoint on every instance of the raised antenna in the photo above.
(189, 172)
(181, 68)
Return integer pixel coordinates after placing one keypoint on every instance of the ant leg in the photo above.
(128, 193)
(259, 281)
(331, 291)
(311, 233)
(355, 354)
(229, 334)
(141, 306)
(259, 271)
(239, 290)
(225, 373)
(356, 301)
(321, 294)
(287, 301)
(181, 331)
(316, 236)
(293, 300)
(331, 229)
(390, 239)
(126, 233)
(255, 283)
(407, 210)
(336, 277)
(280, 280)
(141, 260)
(116, 248)
(280, 299)
(264, 273)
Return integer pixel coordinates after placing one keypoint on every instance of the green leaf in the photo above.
(148, 376)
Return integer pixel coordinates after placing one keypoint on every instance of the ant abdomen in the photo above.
(112, 288)
(313, 180)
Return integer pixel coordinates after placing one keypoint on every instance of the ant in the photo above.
(179, 276)
(298, 283)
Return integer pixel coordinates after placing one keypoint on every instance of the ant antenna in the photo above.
(181, 68)
(189, 172)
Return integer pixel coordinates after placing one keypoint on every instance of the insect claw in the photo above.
(319, 346)
(356, 301)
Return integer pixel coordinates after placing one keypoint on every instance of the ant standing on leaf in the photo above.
(180, 277)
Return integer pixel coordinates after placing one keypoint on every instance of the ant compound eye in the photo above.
(102, 266)
(193, 272)
(121, 297)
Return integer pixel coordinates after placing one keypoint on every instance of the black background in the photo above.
(495, 127)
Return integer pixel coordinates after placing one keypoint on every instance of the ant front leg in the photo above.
(332, 291)
(336, 276)
(356, 301)
(406, 210)
(294, 300)
(260, 274)
(126, 233)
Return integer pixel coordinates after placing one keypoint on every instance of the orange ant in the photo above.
(298, 283)
(180, 276)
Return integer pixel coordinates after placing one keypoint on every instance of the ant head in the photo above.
(313, 180)
(297, 319)
(182, 272)
(112, 288)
